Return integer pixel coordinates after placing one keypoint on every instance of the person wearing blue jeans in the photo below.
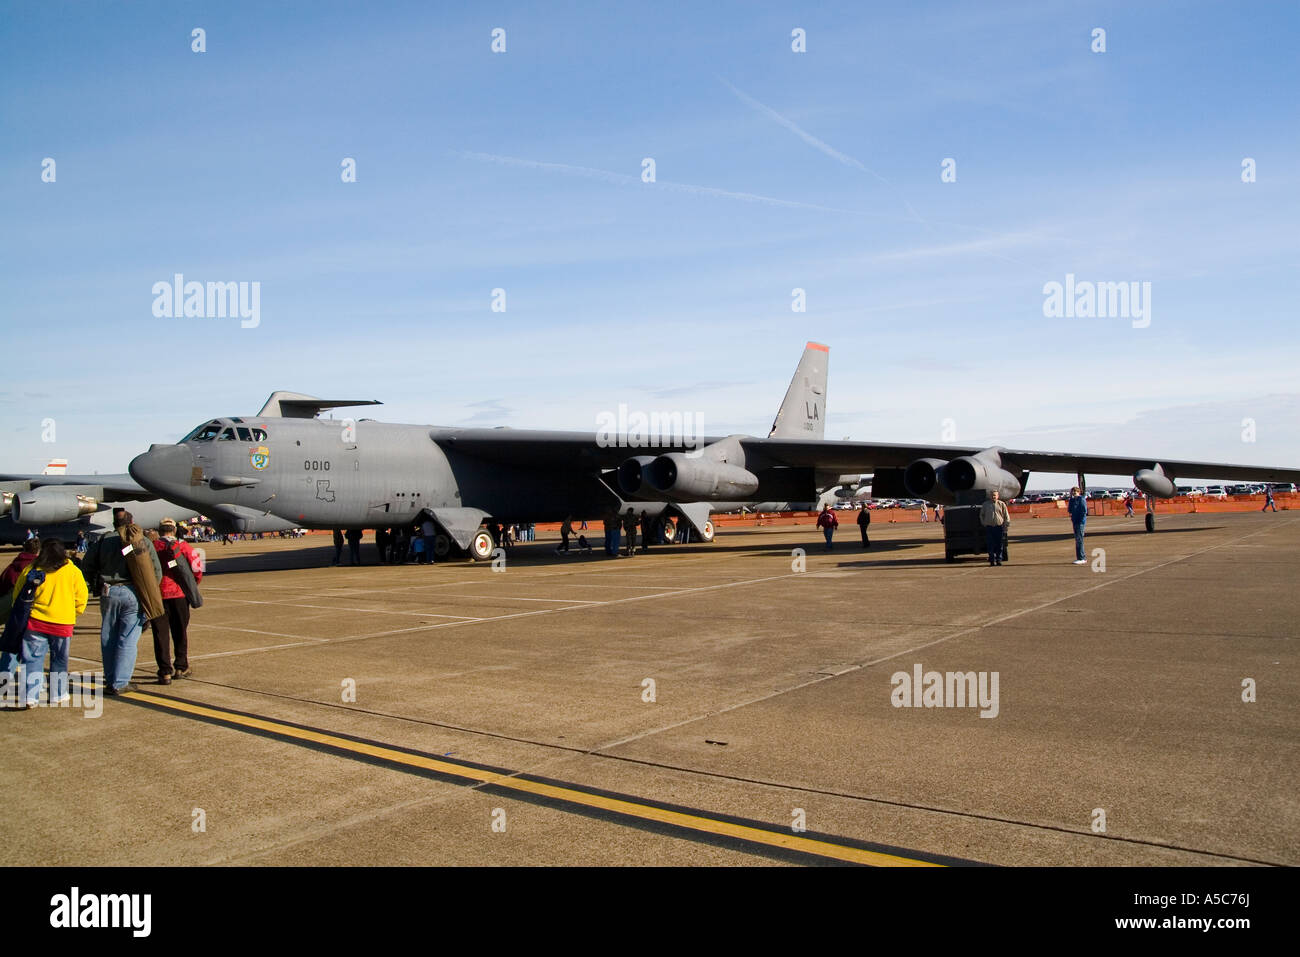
(993, 516)
(35, 646)
(120, 607)
(119, 635)
(1078, 517)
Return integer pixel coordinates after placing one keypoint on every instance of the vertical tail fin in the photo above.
(803, 412)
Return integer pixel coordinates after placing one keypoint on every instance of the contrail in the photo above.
(625, 180)
(817, 144)
(803, 134)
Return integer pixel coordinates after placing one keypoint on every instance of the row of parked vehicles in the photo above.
(1095, 494)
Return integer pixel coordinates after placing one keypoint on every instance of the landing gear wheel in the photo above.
(1151, 522)
(667, 531)
(706, 532)
(441, 546)
(481, 546)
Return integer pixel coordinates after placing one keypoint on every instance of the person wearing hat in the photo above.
(128, 585)
(172, 629)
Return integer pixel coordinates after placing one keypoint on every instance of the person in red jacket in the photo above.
(31, 548)
(173, 627)
(827, 522)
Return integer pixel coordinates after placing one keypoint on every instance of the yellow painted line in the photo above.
(645, 812)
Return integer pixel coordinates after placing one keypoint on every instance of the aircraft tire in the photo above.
(706, 533)
(481, 546)
(441, 546)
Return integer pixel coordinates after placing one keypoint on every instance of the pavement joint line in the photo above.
(577, 601)
(521, 614)
(564, 752)
(338, 608)
(742, 834)
(253, 631)
(703, 588)
(908, 651)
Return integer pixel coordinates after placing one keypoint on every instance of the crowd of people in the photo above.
(994, 519)
(421, 543)
(139, 576)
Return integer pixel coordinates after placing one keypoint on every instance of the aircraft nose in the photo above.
(164, 468)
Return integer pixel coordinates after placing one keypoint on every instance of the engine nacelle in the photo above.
(685, 479)
(1154, 482)
(982, 472)
(51, 506)
(631, 476)
(922, 477)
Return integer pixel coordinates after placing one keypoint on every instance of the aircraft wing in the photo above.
(107, 488)
(866, 456)
(584, 450)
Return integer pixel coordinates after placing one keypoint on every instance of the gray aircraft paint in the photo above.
(337, 473)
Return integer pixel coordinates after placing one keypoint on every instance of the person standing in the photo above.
(31, 548)
(1128, 504)
(172, 629)
(864, 523)
(1268, 499)
(629, 529)
(428, 532)
(22, 561)
(1078, 509)
(925, 512)
(124, 603)
(59, 599)
(353, 535)
(338, 546)
(827, 522)
(993, 515)
(566, 529)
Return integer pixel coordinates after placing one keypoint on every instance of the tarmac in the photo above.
(722, 704)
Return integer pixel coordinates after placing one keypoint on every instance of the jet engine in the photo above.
(981, 472)
(697, 480)
(631, 476)
(921, 479)
(715, 473)
(51, 506)
(949, 483)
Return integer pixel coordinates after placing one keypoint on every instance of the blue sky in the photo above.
(775, 170)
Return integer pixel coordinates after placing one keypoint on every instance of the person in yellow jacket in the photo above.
(59, 600)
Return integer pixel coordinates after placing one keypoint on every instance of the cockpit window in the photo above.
(244, 435)
(227, 436)
(204, 433)
(259, 435)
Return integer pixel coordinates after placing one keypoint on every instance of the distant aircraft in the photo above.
(286, 462)
(57, 505)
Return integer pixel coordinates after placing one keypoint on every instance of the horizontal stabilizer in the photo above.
(295, 405)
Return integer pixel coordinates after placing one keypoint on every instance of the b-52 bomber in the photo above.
(288, 463)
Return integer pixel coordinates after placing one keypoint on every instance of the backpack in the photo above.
(16, 626)
(174, 560)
